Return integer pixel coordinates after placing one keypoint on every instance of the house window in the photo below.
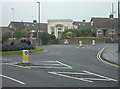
(66, 27)
(52, 30)
(99, 32)
(92, 23)
(112, 32)
(10, 26)
(33, 25)
(27, 24)
(59, 28)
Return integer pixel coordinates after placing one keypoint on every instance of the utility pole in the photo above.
(38, 23)
(13, 13)
(119, 25)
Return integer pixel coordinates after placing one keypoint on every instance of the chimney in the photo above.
(111, 16)
(34, 21)
(83, 20)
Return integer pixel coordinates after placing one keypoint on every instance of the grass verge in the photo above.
(90, 37)
(14, 52)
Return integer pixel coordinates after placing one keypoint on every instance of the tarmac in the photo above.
(111, 54)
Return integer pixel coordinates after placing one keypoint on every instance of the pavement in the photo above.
(111, 53)
(61, 66)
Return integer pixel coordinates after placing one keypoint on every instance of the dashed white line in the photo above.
(12, 79)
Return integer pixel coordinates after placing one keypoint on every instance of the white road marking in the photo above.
(64, 64)
(12, 79)
(49, 67)
(13, 64)
(73, 73)
(49, 61)
(70, 76)
(100, 76)
(52, 64)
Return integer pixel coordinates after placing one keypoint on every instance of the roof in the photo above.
(105, 22)
(30, 25)
(82, 25)
(59, 20)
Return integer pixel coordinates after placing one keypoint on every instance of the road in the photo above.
(61, 66)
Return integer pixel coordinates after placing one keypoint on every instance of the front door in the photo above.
(104, 32)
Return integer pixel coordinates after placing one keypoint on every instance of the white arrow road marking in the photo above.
(12, 79)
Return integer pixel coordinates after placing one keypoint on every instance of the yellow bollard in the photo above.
(25, 54)
(93, 42)
(80, 42)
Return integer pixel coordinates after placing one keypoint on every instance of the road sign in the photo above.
(80, 43)
(25, 56)
(93, 42)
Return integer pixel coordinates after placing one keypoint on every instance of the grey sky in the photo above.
(77, 11)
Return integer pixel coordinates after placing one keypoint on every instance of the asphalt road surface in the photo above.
(61, 66)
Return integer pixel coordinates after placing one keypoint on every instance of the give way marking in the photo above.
(97, 77)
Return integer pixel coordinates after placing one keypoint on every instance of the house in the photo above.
(104, 26)
(6, 30)
(32, 27)
(81, 25)
(57, 26)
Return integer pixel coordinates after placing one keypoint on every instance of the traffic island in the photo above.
(25, 64)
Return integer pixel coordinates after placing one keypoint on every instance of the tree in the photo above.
(45, 37)
(77, 32)
(4, 38)
(18, 34)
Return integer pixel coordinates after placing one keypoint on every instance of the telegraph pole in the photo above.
(38, 23)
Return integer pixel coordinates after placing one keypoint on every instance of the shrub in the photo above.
(17, 47)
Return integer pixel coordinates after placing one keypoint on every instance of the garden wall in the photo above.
(75, 41)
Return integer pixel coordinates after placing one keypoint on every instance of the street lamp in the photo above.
(38, 23)
(118, 24)
(13, 13)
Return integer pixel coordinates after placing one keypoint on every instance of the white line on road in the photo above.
(64, 64)
(49, 67)
(72, 73)
(70, 76)
(100, 76)
(12, 79)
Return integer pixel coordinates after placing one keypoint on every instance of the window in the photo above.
(112, 32)
(33, 25)
(27, 24)
(52, 30)
(92, 23)
(99, 32)
(59, 28)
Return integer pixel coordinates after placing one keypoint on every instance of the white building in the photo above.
(57, 26)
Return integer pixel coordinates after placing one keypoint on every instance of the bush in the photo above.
(17, 47)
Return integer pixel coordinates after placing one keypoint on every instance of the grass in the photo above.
(90, 37)
(14, 52)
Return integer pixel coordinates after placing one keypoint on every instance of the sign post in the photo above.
(25, 54)
(80, 43)
(93, 42)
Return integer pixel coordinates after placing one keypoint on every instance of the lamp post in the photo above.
(13, 13)
(118, 24)
(38, 23)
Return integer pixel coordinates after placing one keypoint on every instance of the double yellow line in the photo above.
(100, 59)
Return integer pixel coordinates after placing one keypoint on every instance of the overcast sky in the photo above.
(77, 11)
